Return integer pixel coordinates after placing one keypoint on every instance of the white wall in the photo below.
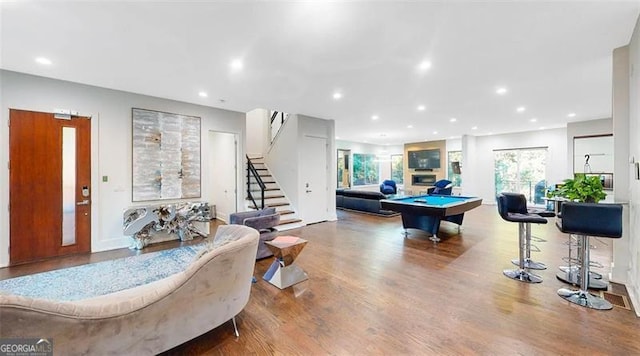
(111, 144)
(633, 286)
(257, 132)
(584, 128)
(382, 152)
(454, 145)
(282, 161)
(284, 157)
(621, 257)
(478, 175)
(471, 183)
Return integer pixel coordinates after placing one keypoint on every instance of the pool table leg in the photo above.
(434, 230)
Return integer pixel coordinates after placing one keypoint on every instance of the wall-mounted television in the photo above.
(424, 159)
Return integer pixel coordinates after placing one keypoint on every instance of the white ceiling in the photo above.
(554, 58)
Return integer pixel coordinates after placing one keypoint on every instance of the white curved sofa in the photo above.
(147, 319)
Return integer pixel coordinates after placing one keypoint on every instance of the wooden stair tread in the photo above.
(267, 197)
(272, 205)
(289, 221)
(266, 190)
(263, 182)
(285, 212)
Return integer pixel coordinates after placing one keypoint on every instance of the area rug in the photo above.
(95, 279)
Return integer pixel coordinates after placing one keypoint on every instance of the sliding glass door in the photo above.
(521, 171)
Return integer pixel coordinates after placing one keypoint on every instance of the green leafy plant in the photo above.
(583, 188)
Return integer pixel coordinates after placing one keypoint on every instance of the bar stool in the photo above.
(584, 220)
(528, 246)
(512, 207)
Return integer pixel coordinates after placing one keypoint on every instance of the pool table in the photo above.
(425, 212)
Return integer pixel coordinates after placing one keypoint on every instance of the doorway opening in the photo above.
(223, 168)
(344, 172)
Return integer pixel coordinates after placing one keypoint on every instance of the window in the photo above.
(366, 169)
(521, 171)
(454, 156)
(397, 169)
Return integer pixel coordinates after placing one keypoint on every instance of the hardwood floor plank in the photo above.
(373, 291)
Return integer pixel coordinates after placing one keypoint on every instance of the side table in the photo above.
(283, 273)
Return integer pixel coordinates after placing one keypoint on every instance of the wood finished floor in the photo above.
(371, 291)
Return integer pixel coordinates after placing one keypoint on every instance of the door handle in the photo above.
(84, 202)
(308, 191)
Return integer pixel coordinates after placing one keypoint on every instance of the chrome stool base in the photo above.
(522, 275)
(584, 299)
(529, 263)
(572, 278)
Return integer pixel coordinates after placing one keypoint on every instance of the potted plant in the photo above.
(583, 188)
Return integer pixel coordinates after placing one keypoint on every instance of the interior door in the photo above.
(314, 177)
(223, 150)
(49, 185)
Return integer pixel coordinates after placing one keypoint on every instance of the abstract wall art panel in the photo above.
(166, 156)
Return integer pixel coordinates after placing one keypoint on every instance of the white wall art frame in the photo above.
(166, 156)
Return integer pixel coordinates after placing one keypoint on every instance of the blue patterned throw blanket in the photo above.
(95, 279)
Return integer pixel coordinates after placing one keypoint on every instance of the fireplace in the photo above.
(423, 179)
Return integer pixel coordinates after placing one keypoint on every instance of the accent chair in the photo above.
(442, 187)
(388, 187)
(264, 221)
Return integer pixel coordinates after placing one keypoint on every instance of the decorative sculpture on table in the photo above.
(142, 222)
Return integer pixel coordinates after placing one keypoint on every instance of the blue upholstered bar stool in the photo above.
(584, 220)
(513, 208)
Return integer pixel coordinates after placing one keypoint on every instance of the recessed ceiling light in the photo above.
(541, 127)
(571, 114)
(521, 109)
(337, 95)
(453, 119)
(203, 94)
(337, 137)
(424, 65)
(474, 128)
(409, 126)
(435, 132)
(43, 60)
(374, 117)
(533, 119)
(236, 64)
(421, 108)
(490, 133)
(501, 90)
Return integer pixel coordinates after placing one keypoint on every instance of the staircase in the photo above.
(259, 183)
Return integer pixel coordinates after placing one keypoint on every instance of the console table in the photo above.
(142, 222)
